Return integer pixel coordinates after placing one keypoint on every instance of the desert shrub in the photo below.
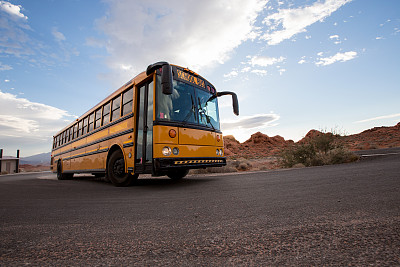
(244, 166)
(299, 153)
(323, 149)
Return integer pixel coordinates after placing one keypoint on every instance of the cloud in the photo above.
(192, 33)
(251, 122)
(13, 10)
(16, 39)
(5, 67)
(260, 72)
(244, 127)
(23, 122)
(339, 57)
(288, 22)
(231, 74)
(13, 27)
(57, 35)
(380, 118)
(264, 61)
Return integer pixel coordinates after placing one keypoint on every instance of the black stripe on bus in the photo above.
(97, 141)
(130, 144)
(87, 154)
(95, 131)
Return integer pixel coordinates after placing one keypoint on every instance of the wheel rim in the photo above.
(119, 168)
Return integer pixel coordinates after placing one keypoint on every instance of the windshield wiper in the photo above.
(192, 110)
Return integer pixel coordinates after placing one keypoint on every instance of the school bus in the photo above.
(164, 121)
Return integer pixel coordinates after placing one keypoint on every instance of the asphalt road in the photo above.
(332, 215)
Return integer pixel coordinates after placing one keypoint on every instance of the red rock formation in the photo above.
(261, 145)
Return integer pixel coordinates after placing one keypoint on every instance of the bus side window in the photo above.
(91, 122)
(75, 131)
(97, 122)
(70, 133)
(62, 138)
(65, 136)
(127, 100)
(106, 113)
(84, 126)
(79, 133)
(115, 112)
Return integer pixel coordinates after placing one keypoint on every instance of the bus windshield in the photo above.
(187, 105)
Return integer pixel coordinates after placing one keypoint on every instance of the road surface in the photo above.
(332, 215)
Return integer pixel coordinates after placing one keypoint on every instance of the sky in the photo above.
(295, 65)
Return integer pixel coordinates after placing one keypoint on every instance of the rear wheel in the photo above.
(177, 174)
(116, 170)
(60, 174)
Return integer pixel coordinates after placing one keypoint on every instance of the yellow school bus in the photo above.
(164, 121)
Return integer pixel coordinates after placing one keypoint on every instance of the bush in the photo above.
(323, 149)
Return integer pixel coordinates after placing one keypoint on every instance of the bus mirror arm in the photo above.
(235, 102)
(166, 75)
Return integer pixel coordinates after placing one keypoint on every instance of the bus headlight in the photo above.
(217, 152)
(221, 153)
(166, 151)
(175, 151)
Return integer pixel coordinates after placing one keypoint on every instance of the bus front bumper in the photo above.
(165, 164)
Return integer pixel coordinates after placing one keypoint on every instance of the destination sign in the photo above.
(191, 79)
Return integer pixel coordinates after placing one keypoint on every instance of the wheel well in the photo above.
(112, 150)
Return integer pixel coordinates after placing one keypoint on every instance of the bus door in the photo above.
(144, 133)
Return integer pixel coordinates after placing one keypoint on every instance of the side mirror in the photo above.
(235, 102)
(166, 76)
(166, 79)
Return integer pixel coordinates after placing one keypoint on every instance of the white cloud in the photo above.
(231, 74)
(251, 122)
(57, 35)
(245, 126)
(264, 61)
(5, 67)
(190, 33)
(302, 61)
(380, 118)
(288, 22)
(339, 57)
(12, 10)
(27, 123)
(260, 72)
(334, 37)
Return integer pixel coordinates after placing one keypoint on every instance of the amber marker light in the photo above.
(218, 138)
(172, 133)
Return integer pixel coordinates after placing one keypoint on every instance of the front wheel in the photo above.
(177, 174)
(116, 170)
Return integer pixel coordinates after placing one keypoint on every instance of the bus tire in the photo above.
(116, 170)
(61, 175)
(177, 174)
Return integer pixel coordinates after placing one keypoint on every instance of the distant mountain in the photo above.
(39, 159)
